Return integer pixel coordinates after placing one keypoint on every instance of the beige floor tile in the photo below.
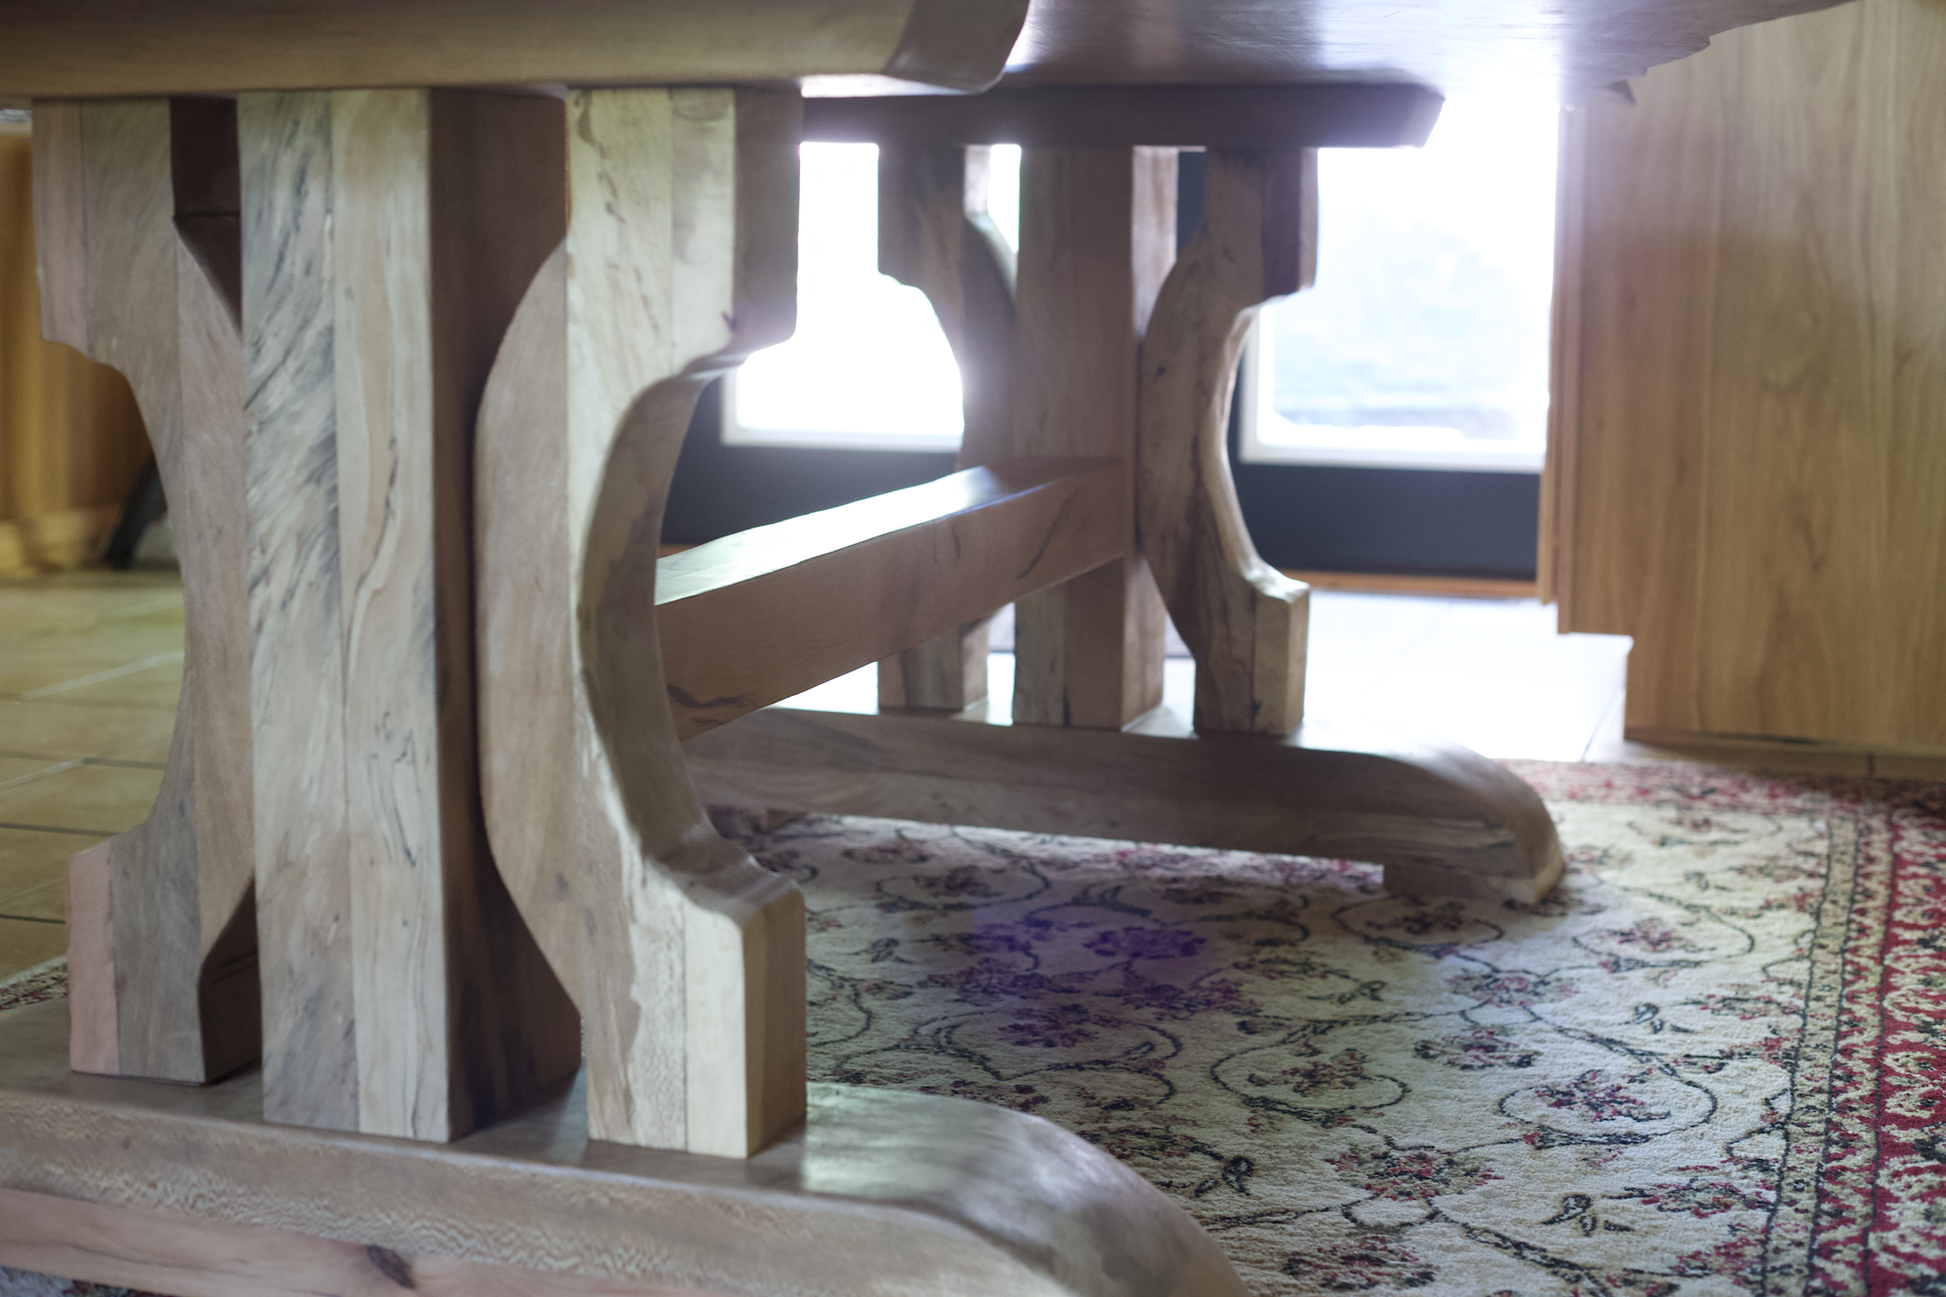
(28, 666)
(149, 752)
(96, 799)
(25, 943)
(167, 617)
(48, 901)
(109, 580)
(125, 640)
(157, 686)
(38, 609)
(30, 860)
(19, 769)
(53, 727)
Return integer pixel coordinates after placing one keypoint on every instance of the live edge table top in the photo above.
(92, 48)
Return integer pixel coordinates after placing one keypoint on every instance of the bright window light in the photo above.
(868, 366)
(1425, 342)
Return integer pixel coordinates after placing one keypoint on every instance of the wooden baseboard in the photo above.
(1763, 743)
(1469, 587)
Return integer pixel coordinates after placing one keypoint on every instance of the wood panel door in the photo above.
(1748, 469)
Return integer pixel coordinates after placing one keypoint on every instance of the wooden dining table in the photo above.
(428, 970)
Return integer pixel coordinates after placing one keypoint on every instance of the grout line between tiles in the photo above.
(99, 677)
(57, 769)
(55, 828)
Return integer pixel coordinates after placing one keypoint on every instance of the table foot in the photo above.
(190, 1191)
(1441, 818)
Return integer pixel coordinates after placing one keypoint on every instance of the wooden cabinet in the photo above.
(1748, 464)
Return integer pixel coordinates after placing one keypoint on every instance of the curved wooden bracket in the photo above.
(1243, 620)
(935, 234)
(684, 956)
(135, 206)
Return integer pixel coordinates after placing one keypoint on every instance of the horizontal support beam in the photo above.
(756, 617)
(1272, 118)
(879, 1192)
(1441, 818)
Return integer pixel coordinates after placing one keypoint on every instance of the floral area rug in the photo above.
(1713, 1062)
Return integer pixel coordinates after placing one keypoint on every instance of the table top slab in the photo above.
(75, 48)
(99, 48)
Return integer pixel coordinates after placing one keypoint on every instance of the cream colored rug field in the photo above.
(1714, 1062)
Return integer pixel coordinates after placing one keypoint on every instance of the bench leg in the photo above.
(685, 957)
(135, 213)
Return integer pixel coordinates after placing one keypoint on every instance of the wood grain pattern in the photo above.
(1489, 47)
(1442, 819)
(936, 234)
(152, 1250)
(1372, 115)
(879, 1192)
(403, 996)
(297, 657)
(837, 589)
(685, 957)
(94, 1033)
(179, 977)
(113, 47)
(1244, 621)
(1754, 488)
(1097, 235)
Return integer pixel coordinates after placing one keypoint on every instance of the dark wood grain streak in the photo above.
(297, 675)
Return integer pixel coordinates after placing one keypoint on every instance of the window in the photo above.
(1425, 342)
(868, 367)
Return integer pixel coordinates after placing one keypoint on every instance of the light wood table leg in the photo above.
(135, 210)
(1244, 621)
(1097, 235)
(935, 234)
(685, 957)
(402, 996)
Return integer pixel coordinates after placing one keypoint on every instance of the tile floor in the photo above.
(91, 665)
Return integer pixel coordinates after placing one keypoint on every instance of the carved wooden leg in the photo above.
(135, 206)
(935, 234)
(1097, 234)
(685, 957)
(1244, 621)
(385, 238)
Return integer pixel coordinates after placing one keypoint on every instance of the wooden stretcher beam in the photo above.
(190, 1191)
(1271, 117)
(1442, 819)
(754, 618)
